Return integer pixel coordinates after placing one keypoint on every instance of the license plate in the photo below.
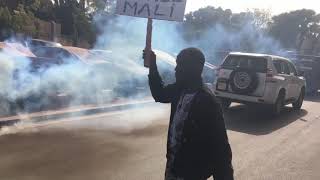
(222, 86)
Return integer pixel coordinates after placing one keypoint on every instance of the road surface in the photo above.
(130, 145)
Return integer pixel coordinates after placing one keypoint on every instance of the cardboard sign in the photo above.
(172, 10)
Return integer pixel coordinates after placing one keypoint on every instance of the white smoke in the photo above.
(246, 38)
(122, 74)
(28, 88)
(123, 32)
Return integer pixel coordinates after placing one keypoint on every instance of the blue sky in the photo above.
(275, 6)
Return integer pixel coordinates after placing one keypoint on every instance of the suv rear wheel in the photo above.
(225, 103)
(278, 106)
(243, 81)
(298, 104)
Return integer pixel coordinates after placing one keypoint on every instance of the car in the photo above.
(54, 53)
(131, 74)
(310, 66)
(111, 74)
(34, 43)
(23, 70)
(251, 78)
(15, 49)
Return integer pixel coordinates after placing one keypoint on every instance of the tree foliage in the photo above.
(288, 26)
(19, 20)
(204, 18)
(23, 21)
(290, 29)
(75, 16)
(76, 19)
(5, 18)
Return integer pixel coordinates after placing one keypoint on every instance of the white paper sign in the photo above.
(172, 10)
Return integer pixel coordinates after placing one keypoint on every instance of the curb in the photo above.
(56, 115)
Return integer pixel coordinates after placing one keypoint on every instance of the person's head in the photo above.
(189, 67)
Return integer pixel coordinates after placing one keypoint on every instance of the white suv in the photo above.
(259, 78)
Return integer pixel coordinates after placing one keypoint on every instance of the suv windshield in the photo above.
(258, 64)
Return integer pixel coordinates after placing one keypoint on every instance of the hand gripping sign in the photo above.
(171, 10)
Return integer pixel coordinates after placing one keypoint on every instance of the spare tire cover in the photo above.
(243, 81)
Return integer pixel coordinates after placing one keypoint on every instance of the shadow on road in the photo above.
(258, 121)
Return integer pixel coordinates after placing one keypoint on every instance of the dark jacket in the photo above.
(205, 149)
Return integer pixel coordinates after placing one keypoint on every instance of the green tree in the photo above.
(10, 4)
(83, 27)
(288, 26)
(5, 18)
(198, 22)
(259, 18)
(206, 17)
(43, 9)
(23, 21)
(75, 20)
(201, 20)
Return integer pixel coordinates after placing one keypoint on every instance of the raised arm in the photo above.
(159, 91)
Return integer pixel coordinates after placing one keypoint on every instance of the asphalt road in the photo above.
(130, 145)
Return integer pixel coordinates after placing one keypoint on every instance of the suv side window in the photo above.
(277, 65)
(285, 67)
(281, 66)
(292, 69)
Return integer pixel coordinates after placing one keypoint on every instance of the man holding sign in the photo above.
(197, 146)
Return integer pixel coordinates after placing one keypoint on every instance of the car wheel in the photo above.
(278, 106)
(298, 104)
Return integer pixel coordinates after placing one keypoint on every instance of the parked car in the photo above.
(15, 49)
(110, 74)
(54, 53)
(34, 43)
(20, 63)
(260, 79)
(310, 66)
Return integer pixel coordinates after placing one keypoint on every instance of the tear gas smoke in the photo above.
(246, 38)
(31, 83)
(121, 73)
(125, 38)
(129, 33)
(81, 81)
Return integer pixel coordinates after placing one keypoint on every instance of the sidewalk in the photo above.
(75, 111)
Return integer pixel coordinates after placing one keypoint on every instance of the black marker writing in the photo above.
(156, 13)
(172, 9)
(135, 6)
(146, 5)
